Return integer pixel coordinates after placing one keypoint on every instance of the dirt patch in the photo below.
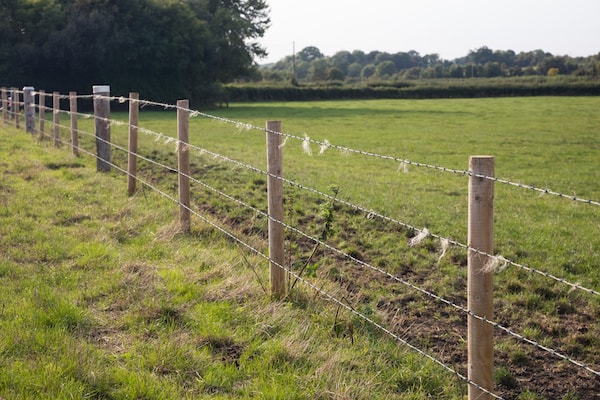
(223, 349)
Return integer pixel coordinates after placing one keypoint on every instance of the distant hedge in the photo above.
(412, 91)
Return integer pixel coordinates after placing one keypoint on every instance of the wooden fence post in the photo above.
(102, 124)
(29, 109)
(275, 209)
(15, 107)
(133, 142)
(56, 117)
(4, 106)
(74, 131)
(42, 111)
(183, 153)
(480, 336)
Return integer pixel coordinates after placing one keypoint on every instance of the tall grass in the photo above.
(103, 298)
(152, 277)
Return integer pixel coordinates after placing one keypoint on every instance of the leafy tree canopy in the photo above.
(164, 49)
(375, 65)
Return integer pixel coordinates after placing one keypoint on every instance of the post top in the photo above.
(101, 89)
(28, 88)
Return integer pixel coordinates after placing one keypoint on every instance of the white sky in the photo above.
(449, 28)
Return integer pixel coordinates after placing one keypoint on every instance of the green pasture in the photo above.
(179, 286)
(101, 297)
(548, 142)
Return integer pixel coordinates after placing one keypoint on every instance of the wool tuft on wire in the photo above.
(241, 128)
(495, 264)
(445, 244)
(285, 139)
(306, 145)
(415, 241)
(324, 146)
(403, 167)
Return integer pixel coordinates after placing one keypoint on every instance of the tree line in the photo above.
(310, 65)
(165, 49)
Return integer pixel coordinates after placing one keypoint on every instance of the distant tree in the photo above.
(433, 72)
(368, 71)
(550, 62)
(506, 57)
(359, 57)
(341, 60)
(335, 74)
(405, 61)
(354, 70)
(481, 55)
(530, 58)
(309, 54)
(271, 75)
(302, 68)
(382, 57)
(285, 64)
(412, 73)
(456, 71)
(482, 62)
(386, 69)
(492, 69)
(431, 59)
(318, 70)
(371, 57)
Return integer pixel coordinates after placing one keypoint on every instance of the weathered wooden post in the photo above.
(4, 105)
(183, 152)
(275, 208)
(56, 117)
(29, 109)
(15, 107)
(42, 111)
(480, 336)
(74, 131)
(134, 106)
(102, 124)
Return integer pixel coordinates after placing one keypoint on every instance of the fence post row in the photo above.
(275, 208)
(183, 160)
(480, 335)
(132, 142)
(42, 111)
(480, 214)
(102, 123)
(4, 106)
(29, 109)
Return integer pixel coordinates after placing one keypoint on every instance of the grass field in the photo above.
(104, 296)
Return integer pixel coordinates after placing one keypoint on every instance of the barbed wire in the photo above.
(372, 213)
(345, 149)
(369, 212)
(497, 259)
(426, 292)
(397, 279)
(319, 290)
(292, 273)
(441, 299)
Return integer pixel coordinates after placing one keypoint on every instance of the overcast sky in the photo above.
(449, 28)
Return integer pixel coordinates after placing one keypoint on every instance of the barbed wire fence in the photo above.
(11, 106)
